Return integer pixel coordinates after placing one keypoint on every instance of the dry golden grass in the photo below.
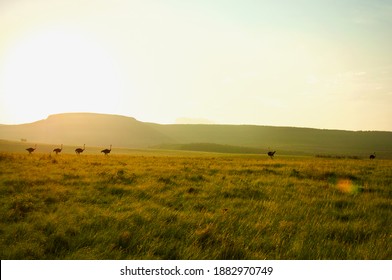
(205, 206)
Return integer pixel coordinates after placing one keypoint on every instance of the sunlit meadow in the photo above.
(194, 206)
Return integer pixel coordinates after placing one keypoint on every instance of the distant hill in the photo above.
(120, 131)
(291, 140)
(86, 128)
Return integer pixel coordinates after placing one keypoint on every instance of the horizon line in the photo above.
(207, 124)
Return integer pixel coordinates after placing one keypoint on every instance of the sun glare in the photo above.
(56, 70)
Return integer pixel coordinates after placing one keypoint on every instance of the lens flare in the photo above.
(347, 186)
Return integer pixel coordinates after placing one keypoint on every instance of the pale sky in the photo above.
(315, 63)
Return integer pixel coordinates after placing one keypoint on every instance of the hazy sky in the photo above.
(315, 63)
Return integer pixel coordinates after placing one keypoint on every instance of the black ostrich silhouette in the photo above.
(373, 156)
(58, 150)
(271, 154)
(107, 151)
(30, 150)
(78, 151)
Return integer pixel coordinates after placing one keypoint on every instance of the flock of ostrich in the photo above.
(78, 151)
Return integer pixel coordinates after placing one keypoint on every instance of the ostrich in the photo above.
(373, 156)
(107, 151)
(30, 150)
(58, 150)
(78, 151)
(271, 154)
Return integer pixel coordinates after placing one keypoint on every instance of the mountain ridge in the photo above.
(122, 131)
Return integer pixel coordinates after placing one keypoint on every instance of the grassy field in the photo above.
(194, 206)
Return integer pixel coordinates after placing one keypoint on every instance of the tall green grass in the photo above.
(147, 206)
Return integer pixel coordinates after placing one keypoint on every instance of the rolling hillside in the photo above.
(86, 128)
(120, 131)
(288, 139)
